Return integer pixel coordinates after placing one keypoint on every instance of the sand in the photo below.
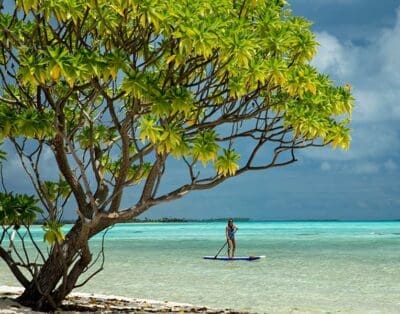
(78, 302)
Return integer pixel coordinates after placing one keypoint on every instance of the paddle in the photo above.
(215, 257)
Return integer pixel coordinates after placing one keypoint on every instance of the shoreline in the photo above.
(81, 302)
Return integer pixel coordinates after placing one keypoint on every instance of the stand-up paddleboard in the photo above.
(236, 258)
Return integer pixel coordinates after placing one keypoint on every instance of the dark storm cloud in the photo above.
(358, 21)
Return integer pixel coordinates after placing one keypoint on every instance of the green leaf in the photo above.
(205, 148)
(53, 232)
(226, 164)
(149, 130)
(18, 209)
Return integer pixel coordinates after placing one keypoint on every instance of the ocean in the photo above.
(310, 267)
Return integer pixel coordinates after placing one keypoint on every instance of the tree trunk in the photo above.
(38, 295)
(59, 274)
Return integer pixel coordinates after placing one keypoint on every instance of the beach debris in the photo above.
(97, 303)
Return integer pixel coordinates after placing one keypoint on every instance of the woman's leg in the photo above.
(233, 247)
(229, 247)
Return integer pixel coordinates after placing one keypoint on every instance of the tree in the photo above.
(113, 90)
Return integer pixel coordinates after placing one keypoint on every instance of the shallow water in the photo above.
(309, 266)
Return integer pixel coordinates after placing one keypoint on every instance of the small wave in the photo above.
(306, 234)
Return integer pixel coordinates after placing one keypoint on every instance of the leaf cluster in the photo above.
(53, 232)
(18, 209)
(117, 87)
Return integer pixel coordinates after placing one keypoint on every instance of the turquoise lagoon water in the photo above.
(310, 267)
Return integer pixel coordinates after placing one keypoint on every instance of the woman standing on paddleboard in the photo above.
(230, 238)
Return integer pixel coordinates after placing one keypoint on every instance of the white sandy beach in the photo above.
(89, 302)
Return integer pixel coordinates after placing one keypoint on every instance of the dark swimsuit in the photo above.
(231, 233)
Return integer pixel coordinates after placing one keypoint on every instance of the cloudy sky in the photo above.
(359, 45)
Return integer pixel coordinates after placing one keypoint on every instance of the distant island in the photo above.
(223, 219)
(163, 220)
(173, 219)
